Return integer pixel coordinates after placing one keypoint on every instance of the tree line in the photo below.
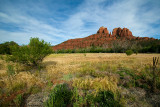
(119, 46)
(116, 46)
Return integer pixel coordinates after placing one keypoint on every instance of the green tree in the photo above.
(32, 54)
(5, 48)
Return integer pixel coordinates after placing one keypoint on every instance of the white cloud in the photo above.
(125, 13)
(29, 27)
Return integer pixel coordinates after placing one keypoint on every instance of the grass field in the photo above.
(129, 78)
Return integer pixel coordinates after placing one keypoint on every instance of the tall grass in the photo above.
(96, 84)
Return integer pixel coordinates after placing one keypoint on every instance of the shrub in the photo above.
(60, 96)
(79, 100)
(18, 100)
(136, 52)
(32, 54)
(129, 52)
(5, 48)
(101, 99)
(107, 99)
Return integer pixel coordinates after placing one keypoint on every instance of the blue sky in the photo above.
(56, 21)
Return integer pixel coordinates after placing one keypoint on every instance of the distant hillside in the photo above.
(123, 38)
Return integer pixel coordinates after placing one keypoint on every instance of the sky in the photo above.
(56, 21)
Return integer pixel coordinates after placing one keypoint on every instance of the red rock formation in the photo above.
(103, 30)
(103, 37)
(122, 32)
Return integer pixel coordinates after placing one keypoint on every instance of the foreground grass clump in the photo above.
(107, 99)
(62, 96)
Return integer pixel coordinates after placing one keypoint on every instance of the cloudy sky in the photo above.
(56, 21)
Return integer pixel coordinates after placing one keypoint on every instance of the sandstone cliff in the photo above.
(101, 38)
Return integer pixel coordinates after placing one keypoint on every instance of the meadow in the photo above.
(87, 79)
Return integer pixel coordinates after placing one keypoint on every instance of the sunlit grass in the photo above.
(92, 71)
(96, 84)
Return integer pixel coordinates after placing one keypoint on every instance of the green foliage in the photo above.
(5, 48)
(129, 52)
(60, 96)
(50, 84)
(107, 99)
(136, 52)
(32, 54)
(18, 100)
(79, 100)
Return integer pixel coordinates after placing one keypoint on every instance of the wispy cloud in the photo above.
(58, 21)
(133, 14)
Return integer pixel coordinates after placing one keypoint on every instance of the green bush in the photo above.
(107, 99)
(61, 96)
(129, 52)
(31, 54)
(5, 48)
(18, 100)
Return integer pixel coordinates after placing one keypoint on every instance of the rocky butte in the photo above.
(101, 38)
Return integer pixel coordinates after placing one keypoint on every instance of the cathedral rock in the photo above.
(101, 38)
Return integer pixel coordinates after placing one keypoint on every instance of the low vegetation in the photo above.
(5, 48)
(129, 52)
(62, 96)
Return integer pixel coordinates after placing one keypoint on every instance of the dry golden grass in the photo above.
(67, 63)
(20, 81)
(99, 57)
(72, 63)
(57, 65)
(92, 63)
(96, 84)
